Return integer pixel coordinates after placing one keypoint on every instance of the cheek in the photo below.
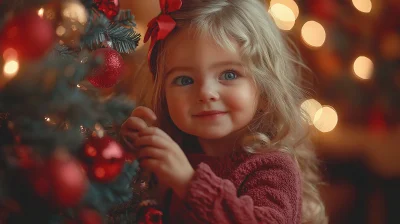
(243, 98)
(177, 104)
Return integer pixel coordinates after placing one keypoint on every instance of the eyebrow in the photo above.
(213, 66)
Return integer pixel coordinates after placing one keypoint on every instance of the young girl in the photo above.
(230, 137)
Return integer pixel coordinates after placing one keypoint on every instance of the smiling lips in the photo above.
(209, 114)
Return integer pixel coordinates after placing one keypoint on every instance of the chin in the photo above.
(210, 135)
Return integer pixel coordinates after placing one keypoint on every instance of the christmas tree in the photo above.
(60, 160)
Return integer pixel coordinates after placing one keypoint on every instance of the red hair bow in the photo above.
(159, 27)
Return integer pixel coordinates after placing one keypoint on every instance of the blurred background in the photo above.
(353, 50)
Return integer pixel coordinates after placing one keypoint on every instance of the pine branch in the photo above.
(126, 17)
(124, 40)
(48, 110)
(96, 31)
(63, 52)
(103, 197)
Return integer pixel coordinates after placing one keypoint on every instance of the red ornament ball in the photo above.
(107, 74)
(28, 34)
(104, 158)
(110, 8)
(61, 180)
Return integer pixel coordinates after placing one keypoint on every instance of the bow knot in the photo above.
(162, 25)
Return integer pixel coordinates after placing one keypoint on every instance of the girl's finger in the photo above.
(134, 124)
(129, 135)
(150, 153)
(127, 143)
(154, 131)
(151, 141)
(145, 113)
(152, 165)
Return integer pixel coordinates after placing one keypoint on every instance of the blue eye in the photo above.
(229, 75)
(183, 80)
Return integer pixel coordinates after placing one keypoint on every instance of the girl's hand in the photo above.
(163, 156)
(141, 117)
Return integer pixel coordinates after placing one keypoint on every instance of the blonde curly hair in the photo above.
(281, 125)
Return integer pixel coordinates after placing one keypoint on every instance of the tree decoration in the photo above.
(48, 112)
(110, 8)
(28, 34)
(107, 74)
(74, 18)
(60, 180)
(104, 157)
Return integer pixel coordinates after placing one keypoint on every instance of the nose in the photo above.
(208, 92)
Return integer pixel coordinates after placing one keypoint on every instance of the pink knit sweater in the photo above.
(244, 188)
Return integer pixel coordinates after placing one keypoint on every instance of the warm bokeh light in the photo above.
(313, 34)
(363, 67)
(11, 68)
(283, 16)
(75, 11)
(10, 54)
(284, 25)
(310, 106)
(282, 12)
(363, 5)
(60, 31)
(40, 12)
(288, 3)
(325, 119)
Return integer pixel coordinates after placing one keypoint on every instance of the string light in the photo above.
(292, 5)
(11, 68)
(364, 6)
(75, 11)
(284, 13)
(313, 34)
(60, 31)
(283, 16)
(41, 12)
(363, 67)
(310, 106)
(99, 131)
(325, 119)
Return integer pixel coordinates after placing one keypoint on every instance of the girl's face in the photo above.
(207, 91)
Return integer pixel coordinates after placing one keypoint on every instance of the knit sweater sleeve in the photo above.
(269, 193)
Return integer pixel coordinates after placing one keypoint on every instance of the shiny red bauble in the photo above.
(104, 158)
(107, 74)
(61, 180)
(28, 34)
(110, 8)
